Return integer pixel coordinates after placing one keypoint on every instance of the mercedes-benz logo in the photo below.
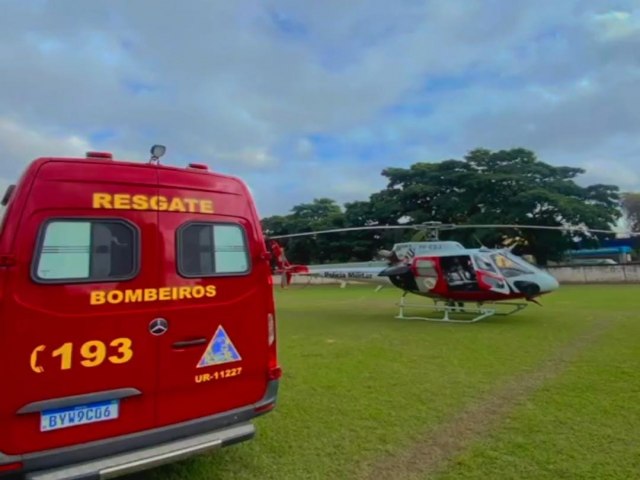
(158, 326)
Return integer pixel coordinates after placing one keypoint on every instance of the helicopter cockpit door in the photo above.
(488, 274)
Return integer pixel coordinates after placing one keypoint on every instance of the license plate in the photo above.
(79, 415)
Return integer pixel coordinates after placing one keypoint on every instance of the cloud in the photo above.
(305, 148)
(20, 145)
(340, 181)
(612, 172)
(259, 158)
(301, 100)
(616, 25)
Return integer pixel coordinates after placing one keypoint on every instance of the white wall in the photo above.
(597, 274)
(573, 274)
(302, 280)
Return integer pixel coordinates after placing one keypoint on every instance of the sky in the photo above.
(304, 100)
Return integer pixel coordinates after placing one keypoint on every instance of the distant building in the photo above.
(617, 254)
(632, 242)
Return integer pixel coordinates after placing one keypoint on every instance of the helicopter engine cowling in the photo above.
(400, 276)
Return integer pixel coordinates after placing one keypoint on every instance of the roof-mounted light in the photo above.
(156, 152)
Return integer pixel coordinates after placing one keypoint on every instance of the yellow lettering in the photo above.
(133, 295)
(150, 295)
(158, 203)
(101, 200)
(34, 359)
(206, 206)
(93, 352)
(98, 297)
(115, 296)
(218, 375)
(65, 352)
(121, 201)
(192, 204)
(140, 202)
(124, 349)
(176, 205)
(126, 201)
(205, 377)
(198, 291)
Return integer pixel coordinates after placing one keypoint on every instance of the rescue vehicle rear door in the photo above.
(214, 357)
(80, 353)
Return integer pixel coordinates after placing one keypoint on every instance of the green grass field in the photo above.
(546, 393)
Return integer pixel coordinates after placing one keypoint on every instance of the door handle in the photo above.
(189, 343)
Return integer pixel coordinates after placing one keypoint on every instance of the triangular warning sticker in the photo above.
(220, 350)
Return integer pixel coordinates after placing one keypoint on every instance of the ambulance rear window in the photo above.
(212, 249)
(86, 251)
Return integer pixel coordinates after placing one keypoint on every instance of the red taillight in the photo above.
(274, 371)
(11, 467)
(271, 321)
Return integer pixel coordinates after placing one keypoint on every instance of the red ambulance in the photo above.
(137, 322)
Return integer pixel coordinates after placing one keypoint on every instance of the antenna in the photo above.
(478, 240)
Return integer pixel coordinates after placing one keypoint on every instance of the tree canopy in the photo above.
(485, 187)
(631, 208)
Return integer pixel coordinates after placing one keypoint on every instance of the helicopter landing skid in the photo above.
(460, 308)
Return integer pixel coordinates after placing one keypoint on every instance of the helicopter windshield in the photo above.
(510, 266)
(484, 263)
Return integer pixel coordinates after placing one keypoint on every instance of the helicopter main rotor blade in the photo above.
(571, 228)
(346, 229)
(436, 226)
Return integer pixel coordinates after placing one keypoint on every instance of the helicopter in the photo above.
(452, 276)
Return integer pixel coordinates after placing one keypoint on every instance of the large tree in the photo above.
(507, 186)
(486, 187)
(321, 214)
(631, 208)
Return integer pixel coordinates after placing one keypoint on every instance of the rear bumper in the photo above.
(126, 463)
(117, 456)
